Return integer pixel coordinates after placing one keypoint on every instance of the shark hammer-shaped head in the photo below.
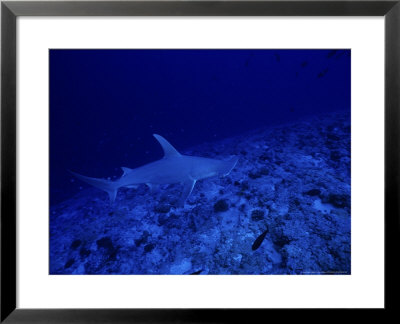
(174, 167)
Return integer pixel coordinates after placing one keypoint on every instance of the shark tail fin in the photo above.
(111, 187)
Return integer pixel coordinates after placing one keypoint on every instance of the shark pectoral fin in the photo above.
(229, 165)
(187, 190)
(153, 188)
(169, 150)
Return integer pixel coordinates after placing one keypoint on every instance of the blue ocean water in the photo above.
(283, 209)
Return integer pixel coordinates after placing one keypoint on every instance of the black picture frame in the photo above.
(10, 10)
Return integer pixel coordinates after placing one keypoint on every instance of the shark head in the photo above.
(203, 168)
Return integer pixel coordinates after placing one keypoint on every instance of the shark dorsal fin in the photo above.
(169, 150)
(126, 170)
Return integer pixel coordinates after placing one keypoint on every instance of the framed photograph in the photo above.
(191, 161)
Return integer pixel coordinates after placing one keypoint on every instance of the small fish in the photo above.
(304, 64)
(197, 272)
(340, 54)
(321, 74)
(331, 53)
(259, 240)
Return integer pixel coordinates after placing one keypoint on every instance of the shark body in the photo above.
(172, 168)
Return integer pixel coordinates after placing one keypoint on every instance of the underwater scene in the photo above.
(200, 162)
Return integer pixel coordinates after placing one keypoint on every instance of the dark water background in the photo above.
(106, 104)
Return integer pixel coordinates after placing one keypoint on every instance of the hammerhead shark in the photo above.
(172, 168)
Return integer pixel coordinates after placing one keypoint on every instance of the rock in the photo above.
(163, 209)
(268, 155)
(79, 270)
(236, 259)
(197, 272)
(299, 260)
(335, 156)
(75, 244)
(113, 255)
(84, 253)
(257, 214)
(339, 200)
(244, 186)
(242, 207)
(110, 251)
(313, 192)
(259, 173)
(142, 239)
(221, 206)
(105, 243)
(254, 175)
(333, 137)
(162, 219)
(149, 248)
(182, 267)
(69, 263)
(279, 236)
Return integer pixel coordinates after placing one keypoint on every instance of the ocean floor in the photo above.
(284, 209)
